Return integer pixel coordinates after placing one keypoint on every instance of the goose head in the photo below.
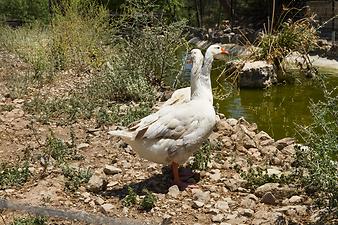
(196, 56)
(215, 51)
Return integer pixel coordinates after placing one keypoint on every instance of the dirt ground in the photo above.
(219, 196)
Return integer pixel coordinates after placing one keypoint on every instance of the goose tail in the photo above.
(121, 133)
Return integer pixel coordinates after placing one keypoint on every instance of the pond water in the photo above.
(279, 109)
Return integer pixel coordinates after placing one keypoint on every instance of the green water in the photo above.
(279, 109)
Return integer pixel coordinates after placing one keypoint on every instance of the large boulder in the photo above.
(258, 74)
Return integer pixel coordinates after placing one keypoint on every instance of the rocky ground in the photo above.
(220, 194)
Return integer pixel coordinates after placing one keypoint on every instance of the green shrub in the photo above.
(318, 160)
(24, 10)
(30, 221)
(78, 34)
(131, 198)
(148, 201)
(75, 177)
(12, 175)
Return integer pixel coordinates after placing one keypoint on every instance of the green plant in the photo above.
(12, 175)
(318, 160)
(202, 157)
(131, 198)
(290, 36)
(56, 148)
(75, 177)
(30, 221)
(7, 108)
(148, 201)
(257, 176)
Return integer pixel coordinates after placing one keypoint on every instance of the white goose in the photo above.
(183, 95)
(174, 133)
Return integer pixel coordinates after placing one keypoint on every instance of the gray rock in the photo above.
(269, 150)
(257, 74)
(174, 191)
(217, 218)
(224, 127)
(274, 172)
(201, 196)
(249, 202)
(82, 145)
(215, 175)
(99, 201)
(295, 199)
(197, 204)
(111, 170)
(268, 187)
(262, 136)
(267, 142)
(278, 191)
(96, 184)
(293, 210)
(231, 121)
(231, 184)
(222, 205)
(246, 212)
(107, 207)
(268, 198)
(282, 143)
(248, 142)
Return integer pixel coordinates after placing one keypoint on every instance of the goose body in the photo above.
(172, 134)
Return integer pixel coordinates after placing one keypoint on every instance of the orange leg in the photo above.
(174, 167)
(182, 185)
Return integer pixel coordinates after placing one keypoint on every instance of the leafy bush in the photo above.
(148, 201)
(319, 161)
(291, 36)
(78, 34)
(75, 177)
(152, 43)
(30, 221)
(131, 198)
(24, 10)
(11, 175)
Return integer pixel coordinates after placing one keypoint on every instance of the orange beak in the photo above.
(224, 51)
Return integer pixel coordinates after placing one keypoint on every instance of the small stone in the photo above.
(201, 196)
(92, 203)
(274, 172)
(174, 191)
(85, 195)
(87, 200)
(96, 184)
(269, 150)
(222, 205)
(231, 184)
(216, 175)
(82, 145)
(111, 170)
(295, 199)
(18, 101)
(247, 212)
(268, 187)
(197, 204)
(99, 201)
(282, 143)
(268, 198)
(31, 169)
(231, 121)
(248, 203)
(112, 183)
(106, 208)
(217, 218)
